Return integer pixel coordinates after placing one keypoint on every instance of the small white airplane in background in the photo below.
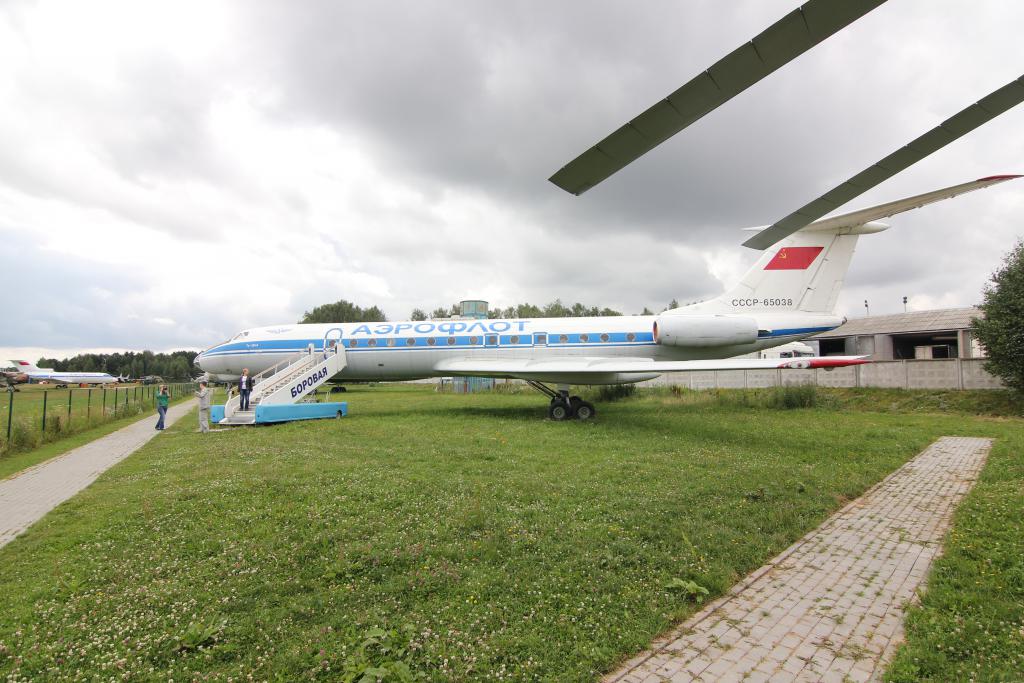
(789, 294)
(37, 374)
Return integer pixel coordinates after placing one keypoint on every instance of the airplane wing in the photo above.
(780, 43)
(956, 126)
(582, 366)
(857, 218)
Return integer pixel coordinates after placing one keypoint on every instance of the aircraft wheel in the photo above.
(558, 411)
(585, 410)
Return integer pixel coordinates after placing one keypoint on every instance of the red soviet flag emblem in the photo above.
(793, 258)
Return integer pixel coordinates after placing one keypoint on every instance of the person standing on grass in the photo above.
(204, 407)
(162, 399)
(244, 389)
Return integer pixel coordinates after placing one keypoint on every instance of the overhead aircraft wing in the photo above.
(861, 216)
(986, 109)
(580, 365)
(783, 41)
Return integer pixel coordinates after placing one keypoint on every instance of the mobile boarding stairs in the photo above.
(278, 392)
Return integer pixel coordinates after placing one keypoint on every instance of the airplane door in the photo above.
(540, 338)
(332, 338)
(491, 340)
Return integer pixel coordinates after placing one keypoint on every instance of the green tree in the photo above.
(417, 314)
(177, 364)
(179, 368)
(527, 311)
(439, 313)
(1001, 330)
(343, 312)
(556, 309)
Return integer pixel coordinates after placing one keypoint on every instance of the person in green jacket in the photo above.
(162, 399)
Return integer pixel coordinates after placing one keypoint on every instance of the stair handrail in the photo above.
(291, 363)
(334, 358)
(233, 403)
(280, 372)
(277, 367)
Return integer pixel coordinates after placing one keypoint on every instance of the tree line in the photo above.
(176, 365)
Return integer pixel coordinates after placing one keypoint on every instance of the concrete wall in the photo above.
(975, 377)
(952, 373)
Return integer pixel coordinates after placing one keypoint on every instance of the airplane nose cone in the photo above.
(198, 362)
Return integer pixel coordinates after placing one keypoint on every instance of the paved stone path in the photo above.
(830, 607)
(28, 495)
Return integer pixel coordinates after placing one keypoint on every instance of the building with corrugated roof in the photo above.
(918, 335)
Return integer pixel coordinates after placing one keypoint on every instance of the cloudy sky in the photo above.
(173, 172)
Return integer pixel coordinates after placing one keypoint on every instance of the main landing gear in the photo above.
(563, 406)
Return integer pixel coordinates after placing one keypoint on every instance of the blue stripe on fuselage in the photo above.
(594, 339)
(506, 341)
(792, 331)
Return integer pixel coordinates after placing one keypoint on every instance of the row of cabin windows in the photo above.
(492, 340)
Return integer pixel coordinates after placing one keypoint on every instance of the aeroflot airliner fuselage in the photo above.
(416, 349)
(790, 293)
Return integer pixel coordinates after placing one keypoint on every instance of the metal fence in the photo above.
(34, 416)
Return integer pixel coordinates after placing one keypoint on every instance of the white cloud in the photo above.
(233, 164)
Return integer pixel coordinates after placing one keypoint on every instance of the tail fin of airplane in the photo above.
(25, 366)
(804, 272)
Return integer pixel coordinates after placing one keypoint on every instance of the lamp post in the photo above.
(867, 311)
(904, 304)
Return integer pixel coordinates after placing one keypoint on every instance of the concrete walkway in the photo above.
(830, 607)
(28, 495)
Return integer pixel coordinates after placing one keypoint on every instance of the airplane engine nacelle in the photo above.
(704, 330)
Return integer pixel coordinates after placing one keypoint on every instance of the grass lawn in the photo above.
(970, 624)
(89, 421)
(446, 537)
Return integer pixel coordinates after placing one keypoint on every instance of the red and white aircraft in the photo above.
(37, 374)
(789, 294)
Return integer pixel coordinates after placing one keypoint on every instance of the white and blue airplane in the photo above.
(36, 374)
(789, 294)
